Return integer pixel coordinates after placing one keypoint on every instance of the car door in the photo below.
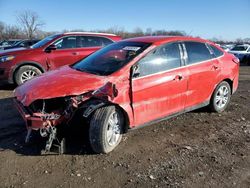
(159, 84)
(87, 45)
(204, 72)
(65, 52)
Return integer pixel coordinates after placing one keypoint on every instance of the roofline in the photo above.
(90, 33)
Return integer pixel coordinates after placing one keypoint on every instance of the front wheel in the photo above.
(221, 97)
(26, 73)
(105, 131)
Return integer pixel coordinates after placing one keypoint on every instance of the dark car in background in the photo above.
(9, 42)
(21, 64)
(242, 52)
(22, 44)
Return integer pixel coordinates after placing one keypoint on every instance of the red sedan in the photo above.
(129, 84)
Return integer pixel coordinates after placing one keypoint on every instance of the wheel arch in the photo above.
(91, 105)
(230, 82)
(24, 63)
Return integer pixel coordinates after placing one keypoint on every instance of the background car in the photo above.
(22, 44)
(227, 47)
(9, 42)
(242, 52)
(20, 64)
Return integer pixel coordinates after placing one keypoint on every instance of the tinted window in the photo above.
(106, 41)
(239, 48)
(88, 41)
(161, 59)
(216, 51)
(66, 42)
(197, 52)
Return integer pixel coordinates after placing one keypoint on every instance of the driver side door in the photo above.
(64, 54)
(159, 84)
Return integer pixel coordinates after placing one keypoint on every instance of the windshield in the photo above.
(111, 58)
(45, 41)
(239, 48)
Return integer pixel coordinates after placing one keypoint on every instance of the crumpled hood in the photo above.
(62, 82)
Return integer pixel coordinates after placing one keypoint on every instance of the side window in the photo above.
(197, 52)
(106, 41)
(161, 59)
(88, 41)
(248, 49)
(216, 51)
(66, 42)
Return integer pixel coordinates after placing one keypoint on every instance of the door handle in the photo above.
(178, 77)
(75, 53)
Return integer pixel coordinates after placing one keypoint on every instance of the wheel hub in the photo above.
(27, 75)
(113, 132)
(222, 96)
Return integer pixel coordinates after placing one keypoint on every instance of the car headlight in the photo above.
(6, 58)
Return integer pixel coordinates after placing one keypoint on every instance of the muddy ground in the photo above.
(197, 149)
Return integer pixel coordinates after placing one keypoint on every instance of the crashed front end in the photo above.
(47, 114)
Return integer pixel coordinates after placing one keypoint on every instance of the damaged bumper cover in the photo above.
(52, 113)
(37, 120)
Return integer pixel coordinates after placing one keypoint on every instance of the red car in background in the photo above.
(128, 84)
(21, 64)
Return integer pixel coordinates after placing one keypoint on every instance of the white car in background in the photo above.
(242, 52)
(227, 47)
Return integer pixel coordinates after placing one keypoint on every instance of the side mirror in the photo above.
(135, 71)
(50, 48)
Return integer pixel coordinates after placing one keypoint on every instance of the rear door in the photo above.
(159, 84)
(204, 70)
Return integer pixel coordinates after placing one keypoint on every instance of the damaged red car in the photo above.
(129, 84)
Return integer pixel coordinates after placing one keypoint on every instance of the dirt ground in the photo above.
(196, 149)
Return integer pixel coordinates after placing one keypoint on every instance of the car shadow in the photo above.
(13, 132)
(7, 87)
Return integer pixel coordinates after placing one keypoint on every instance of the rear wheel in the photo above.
(105, 131)
(221, 97)
(26, 73)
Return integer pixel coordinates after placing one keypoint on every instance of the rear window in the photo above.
(217, 52)
(239, 48)
(197, 52)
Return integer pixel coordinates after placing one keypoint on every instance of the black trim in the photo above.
(171, 115)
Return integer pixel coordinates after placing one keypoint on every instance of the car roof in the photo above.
(88, 33)
(158, 40)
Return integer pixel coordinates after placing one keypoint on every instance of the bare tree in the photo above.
(30, 22)
(2, 26)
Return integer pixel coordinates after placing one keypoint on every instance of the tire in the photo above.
(25, 73)
(221, 97)
(105, 131)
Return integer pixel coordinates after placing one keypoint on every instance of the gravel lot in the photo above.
(197, 149)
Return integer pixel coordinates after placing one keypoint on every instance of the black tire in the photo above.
(99, 127)
(18, 77)
(215, 102)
